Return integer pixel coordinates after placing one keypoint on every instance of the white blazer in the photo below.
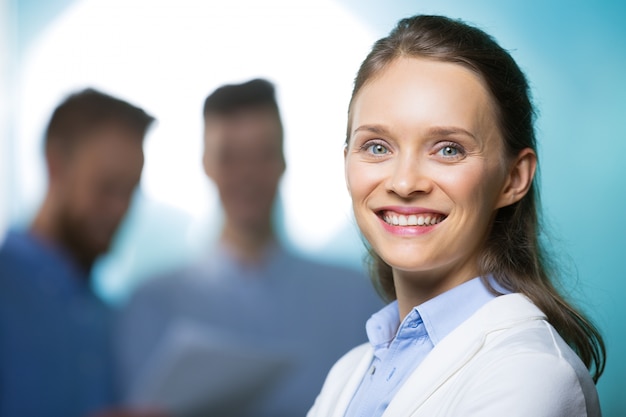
(506, 360)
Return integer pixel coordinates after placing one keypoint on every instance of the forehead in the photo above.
(110, 149)
(246, 127)
(424, 90)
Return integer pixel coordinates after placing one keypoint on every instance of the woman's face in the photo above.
(425, 167)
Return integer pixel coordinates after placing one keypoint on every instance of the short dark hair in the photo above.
(89, 109)
(230, 98)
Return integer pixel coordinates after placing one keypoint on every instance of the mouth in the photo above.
(411, 220)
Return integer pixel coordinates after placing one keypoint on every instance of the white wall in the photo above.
(5, 94)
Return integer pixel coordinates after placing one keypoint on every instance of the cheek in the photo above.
(271, 175)
(361, 179)
(475, 187)
(355, 187)
(82, 198)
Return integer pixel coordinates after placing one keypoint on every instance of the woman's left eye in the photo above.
(450, 151)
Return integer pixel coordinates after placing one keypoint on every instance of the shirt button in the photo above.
(413, 324)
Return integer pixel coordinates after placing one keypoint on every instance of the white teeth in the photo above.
(412, 220)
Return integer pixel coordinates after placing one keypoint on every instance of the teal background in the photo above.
(574, 54)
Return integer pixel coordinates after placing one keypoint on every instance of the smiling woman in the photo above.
(440, 160)
(436, 155)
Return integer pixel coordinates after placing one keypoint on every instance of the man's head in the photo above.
(243, 153)
(94, 152)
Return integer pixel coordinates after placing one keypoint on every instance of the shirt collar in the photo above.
(223, 263)
(438, 318)
(381, 328)
(62, 271)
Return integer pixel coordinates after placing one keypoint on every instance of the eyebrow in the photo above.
(377, 129)
(434, 131)
(450, 131)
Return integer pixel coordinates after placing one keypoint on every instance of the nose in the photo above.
(409, 177)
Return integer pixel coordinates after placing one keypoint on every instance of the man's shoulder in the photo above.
(323, 267)
(14, 247)
(21, 256)
(169, 281)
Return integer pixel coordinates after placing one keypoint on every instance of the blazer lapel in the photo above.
(457, 349)
(351, 384)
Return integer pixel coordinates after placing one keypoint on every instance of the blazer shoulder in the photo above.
(528, 368)
(505, 360)
(523, 383)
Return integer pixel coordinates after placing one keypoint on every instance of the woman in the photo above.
(440, 160)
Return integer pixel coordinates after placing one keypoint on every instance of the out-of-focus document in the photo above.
(199, 371)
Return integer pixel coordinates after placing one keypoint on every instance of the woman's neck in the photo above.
(415, 288)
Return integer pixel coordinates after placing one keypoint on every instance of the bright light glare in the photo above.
(166, 56)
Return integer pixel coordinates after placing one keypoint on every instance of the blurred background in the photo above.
(166, 56)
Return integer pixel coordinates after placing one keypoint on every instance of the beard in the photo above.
(73, 235)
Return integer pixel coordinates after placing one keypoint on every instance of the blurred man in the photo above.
(55, 341)
(251, 329)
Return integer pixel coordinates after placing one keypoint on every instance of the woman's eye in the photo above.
(377, 149)
(450, 151)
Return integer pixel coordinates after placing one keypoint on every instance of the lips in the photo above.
(411, 220)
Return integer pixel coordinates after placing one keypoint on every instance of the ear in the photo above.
(283, 162)
(207, 159)
(207, 164)
(519, 179)
(56, 161)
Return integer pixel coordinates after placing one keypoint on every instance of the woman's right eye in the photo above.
(376, 148)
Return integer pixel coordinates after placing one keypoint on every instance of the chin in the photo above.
(99, 246)
(409, 262)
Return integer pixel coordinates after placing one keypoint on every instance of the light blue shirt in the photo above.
(306, 313)
(399, 347)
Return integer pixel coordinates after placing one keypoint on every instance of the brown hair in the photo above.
(230, 98)
(89, 109)
(513, 253)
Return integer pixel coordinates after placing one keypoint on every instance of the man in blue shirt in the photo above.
(55, 353)
(251, 329)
